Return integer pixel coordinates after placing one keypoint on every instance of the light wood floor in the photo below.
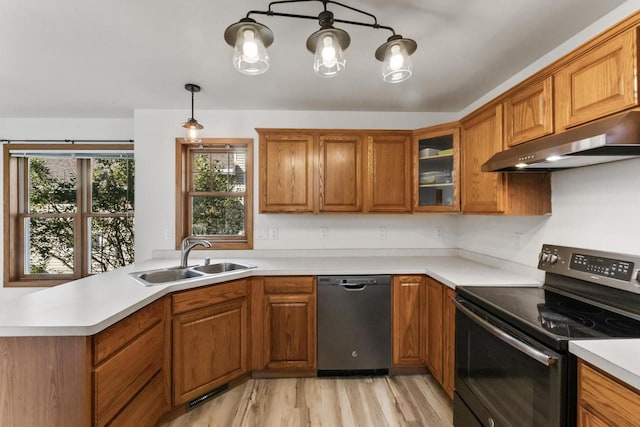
(411, 400)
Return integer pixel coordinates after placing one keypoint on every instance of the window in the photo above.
(69, 211)
(214, 195)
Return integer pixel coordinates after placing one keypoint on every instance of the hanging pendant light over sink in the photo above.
(192, 126)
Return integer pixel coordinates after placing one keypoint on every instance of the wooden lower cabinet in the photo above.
(449, 342)
(45, 381)
(289, 323)
(435, 331)
(604, 400)
(440, 333)
(210, 341)
(130, 371)
(408, 295)
(118, 377)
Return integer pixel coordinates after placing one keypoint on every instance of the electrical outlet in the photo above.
(382, 233)
(168, 233)
(439, 232)
(324, 233)
(262, 234)
(273, 233)
(519, 240)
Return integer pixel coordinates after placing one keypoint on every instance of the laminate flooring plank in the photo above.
(400, 401)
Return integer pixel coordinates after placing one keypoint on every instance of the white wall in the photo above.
(593, 207)
(60, 129)
(155, 133)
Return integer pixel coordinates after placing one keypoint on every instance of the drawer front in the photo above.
(117, 336)
(147, 408)
(210, 295)
(289, 285)
(609, 399)
(120, 378)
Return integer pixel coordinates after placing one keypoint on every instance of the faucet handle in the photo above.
(184, 242)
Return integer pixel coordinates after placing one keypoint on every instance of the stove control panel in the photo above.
(607, 267)
(617, 270)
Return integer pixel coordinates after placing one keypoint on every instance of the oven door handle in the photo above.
(534, 353)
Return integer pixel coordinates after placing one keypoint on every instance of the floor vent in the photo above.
(213, 393)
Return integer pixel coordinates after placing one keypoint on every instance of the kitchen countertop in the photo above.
(618, 357)
(90, 305)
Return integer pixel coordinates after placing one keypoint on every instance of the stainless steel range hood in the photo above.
(607, 140)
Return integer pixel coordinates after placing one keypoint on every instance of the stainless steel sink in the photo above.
(180, 274)
(220, 267)
(168, 275)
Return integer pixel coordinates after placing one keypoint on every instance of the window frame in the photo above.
(183, 221)
(16, 211)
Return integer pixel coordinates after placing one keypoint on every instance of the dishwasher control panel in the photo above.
(354, 280)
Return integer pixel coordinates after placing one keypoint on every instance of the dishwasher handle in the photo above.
(353, 287)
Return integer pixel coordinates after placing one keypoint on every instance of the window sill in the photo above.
(34, 283)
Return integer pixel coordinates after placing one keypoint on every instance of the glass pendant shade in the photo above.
(193, 130)
(329, 58)
(397, 66)
(250, 54)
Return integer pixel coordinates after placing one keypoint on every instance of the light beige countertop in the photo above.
(90, 305)
(618, 357)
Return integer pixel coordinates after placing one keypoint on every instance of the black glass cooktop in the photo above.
(550, 316)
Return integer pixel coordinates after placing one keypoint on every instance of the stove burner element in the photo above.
(564, 323)
(579, 307)
(627, 325)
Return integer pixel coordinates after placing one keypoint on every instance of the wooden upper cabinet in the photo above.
(408, 320)
(598, 83)
(491, 192)
(481, 139)
(315, 170)
(389, 172)
(286, 172)
(528, 113)
(340, 170)
(436, 166)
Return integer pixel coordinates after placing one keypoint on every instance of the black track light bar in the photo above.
(271, 12)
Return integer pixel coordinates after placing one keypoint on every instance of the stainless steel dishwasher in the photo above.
(354, 325)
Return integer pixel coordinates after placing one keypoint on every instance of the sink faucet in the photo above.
(185, 249)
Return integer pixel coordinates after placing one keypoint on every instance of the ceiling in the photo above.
(104, 59)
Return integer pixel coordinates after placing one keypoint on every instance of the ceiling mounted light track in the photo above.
(251, 39)
(192, 126)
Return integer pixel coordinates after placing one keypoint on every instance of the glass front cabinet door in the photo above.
(437, 172)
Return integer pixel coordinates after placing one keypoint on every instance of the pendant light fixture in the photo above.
(192, 126)
(328, 45)
(251, 39)
(395, 55)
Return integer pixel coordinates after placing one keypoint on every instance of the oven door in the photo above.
(503, 377)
